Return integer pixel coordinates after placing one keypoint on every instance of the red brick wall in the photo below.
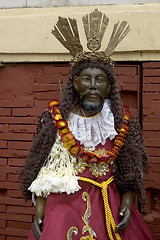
(24, 93)
(151, 133)
(25, 90)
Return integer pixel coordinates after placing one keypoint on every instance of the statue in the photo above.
(88, 160)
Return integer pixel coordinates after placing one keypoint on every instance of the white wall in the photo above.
(54, 3)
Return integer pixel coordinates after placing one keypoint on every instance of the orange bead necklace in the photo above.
(76, 149)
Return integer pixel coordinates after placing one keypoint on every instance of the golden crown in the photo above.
(95, 24)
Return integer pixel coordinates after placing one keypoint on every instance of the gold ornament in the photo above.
(95, 24)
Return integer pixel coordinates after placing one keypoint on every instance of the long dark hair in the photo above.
(132, 161)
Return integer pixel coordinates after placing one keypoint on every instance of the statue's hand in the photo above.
(37, 228)
(40, 212)
(125, 212)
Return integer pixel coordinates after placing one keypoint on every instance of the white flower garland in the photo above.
(58, 174)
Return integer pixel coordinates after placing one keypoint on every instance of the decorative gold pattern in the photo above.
(95, 27)
(97, 169)
(71, 231)
(66, 32)
(85, 218)
(95, 24)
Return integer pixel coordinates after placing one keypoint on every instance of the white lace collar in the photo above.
(90, 131)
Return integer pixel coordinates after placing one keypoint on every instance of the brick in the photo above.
(5, 112)
(129, 70)
(46, 79)
(151, 65)
(127, 79)
(151, 111)
(18, 225)
(153, 218)
(151, 127)
(21, 210)
(153, 228)
(3, 192)
(3, 144)
(16, 103)
(3, 177)
(13, 153)
(16, 162)
(2, 237)
(42, 104)
(151, 134)
(151, 87)
(2, 208)
(46, 87)
(9, 185)
(153, 79)
(152, 142)
(22, 128)
(12, 178)
(14, 194)
(153, 176)
(19, 145)
(16, 136)
(3, 128)
(2, 224)
(151, 72)
(14, 232)
(152, 104)
(151, 119)
(14, 201)
(8, 169)
(150, 97)
(25, 112)
(127, 87)
(3, 161)
(155, 168)
(19, 120)
(152, 184)
(47, 95)
(56, 69)
(153, 152)
(156, 236)
(153, 160)
(16, 238)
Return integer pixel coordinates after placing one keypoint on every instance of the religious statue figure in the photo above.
(88, 160)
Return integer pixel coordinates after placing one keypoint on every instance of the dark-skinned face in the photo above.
(93, 86)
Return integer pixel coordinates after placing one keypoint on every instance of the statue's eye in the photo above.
(99, 79)
(86, 79)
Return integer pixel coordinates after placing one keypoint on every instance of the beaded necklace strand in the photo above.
(76, 149)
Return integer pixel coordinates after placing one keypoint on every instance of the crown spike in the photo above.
(118, 33)
(66, 32)
(94, 26)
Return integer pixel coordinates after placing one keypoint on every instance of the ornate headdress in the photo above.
(95, 23)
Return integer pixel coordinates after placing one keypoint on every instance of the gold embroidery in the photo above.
(85, 219)
(70, 231)
(97, 169)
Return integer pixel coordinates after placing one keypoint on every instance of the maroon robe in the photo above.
(66, 211)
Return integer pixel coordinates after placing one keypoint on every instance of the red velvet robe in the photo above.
(63, 212)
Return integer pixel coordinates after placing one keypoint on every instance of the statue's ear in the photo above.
(75, 83)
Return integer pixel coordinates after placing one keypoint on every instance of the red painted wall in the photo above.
(25, 90)
(151, 133)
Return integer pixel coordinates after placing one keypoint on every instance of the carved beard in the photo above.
(91, 107)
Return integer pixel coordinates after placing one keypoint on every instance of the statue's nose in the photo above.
(93, 83)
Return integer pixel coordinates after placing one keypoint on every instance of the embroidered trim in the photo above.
(97, 169)
(85, 218)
